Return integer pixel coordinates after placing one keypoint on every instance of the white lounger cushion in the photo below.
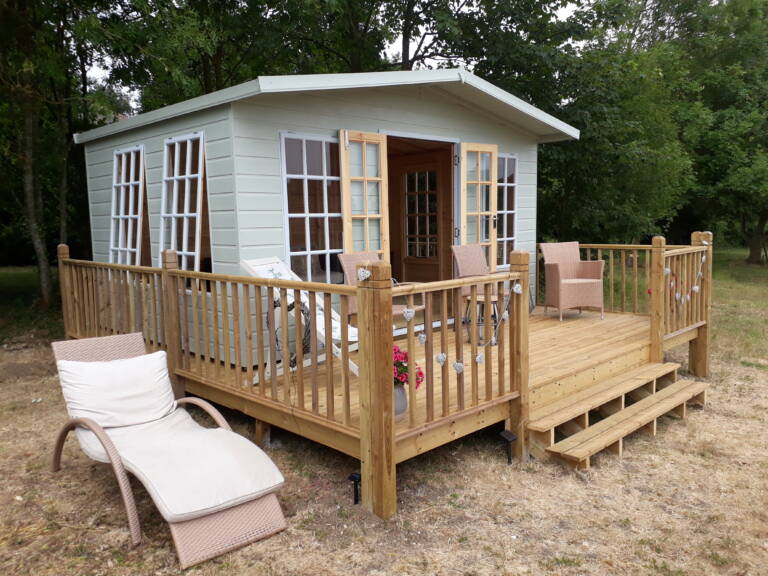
(189, 470)
(118, 393)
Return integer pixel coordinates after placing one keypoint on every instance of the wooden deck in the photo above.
(564, 358)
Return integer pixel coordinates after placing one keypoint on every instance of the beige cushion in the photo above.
(188, 470)
(118, 393)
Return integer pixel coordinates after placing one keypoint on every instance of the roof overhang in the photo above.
(456, 82)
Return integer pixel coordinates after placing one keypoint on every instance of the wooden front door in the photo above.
(422, 192)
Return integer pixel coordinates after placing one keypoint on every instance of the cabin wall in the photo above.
(217, 126)
(414, 110)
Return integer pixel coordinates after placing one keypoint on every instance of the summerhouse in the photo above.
(278, 239)
(305, 167)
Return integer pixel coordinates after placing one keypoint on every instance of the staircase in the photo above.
(599, 417)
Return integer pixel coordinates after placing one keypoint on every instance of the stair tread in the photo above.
(594, 438)
(574, 405)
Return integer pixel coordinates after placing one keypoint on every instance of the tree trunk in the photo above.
(31, 210)
(757, 240)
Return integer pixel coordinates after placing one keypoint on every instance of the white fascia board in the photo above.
(225, 96)
(518, 104)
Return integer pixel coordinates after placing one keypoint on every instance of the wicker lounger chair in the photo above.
(216, 489)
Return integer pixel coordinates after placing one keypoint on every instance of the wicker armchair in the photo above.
(216, 490)
(569, 281)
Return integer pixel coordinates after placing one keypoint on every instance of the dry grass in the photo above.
(691, 501)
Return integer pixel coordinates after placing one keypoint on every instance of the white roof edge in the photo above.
(312, 82)
(225, 96)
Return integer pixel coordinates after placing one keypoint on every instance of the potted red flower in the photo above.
(400, 380)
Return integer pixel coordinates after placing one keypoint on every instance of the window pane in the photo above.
(510, 230)
(332, 159)
(372, 160)
(180, 193)
(374, 234)
(357, 196)
(294, 157)
(432, 203)
(500, 207)
(510, 171)
(433, 225)
(356, 159)
(319, 267)
(295, 196)
(297, 240)
(334, 197)
(500, 253)
(373, 198)
(422, 203)
(182, 146)
(510, 198)
(195, 159)
(192, 188)
(336, 233)
(315, 196)
(317, 234)
(314, 157)
(299, 266)
(500, 168)
(412, 228)
(486, 228)
(432, 181)
(411, 204)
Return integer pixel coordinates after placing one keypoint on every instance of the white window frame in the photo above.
(325, 215)
(124, 248)
(503, 211)
(190, 215)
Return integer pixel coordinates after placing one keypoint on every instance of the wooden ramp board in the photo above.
(610, 432)
(558, 412)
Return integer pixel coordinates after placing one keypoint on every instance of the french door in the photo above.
(363, 158)
(477, 194)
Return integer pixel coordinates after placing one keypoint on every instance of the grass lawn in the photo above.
(691, 501)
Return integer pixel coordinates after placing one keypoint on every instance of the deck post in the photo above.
(62, 251)
(377, 421)
(698, 349)
(171, 334)
(519, 262)
(657, 298)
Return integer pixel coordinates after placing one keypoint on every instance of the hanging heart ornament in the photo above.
(363, 274)
(441, 358)
(408, 314)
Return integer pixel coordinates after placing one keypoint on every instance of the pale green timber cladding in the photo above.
(257, 124)
(217, 125)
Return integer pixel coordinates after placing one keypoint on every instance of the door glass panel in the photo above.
(471, 229)
(485, 197)
(485, 166)
(374, 234)
(472, 166)
(358, 235)
(421, 207)
(356, 159)
(295, 196)
(372, 160)
(299, 266)
(373, 198)
(471, 197)
(357, 197)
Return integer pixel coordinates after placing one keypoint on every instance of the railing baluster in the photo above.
(297, 320)
(225, 326)
(285, 345)
(611, 279)
(330, 408)
(215, 322)
(271, 323)
(445, 382)
(261, 324)
(411, 365)
(459, 344)
(487, 347)
(635, 282)
(345, 375)
(429, 371)
(248, 319)
(238, 372)
(473, 343)
(314, 345)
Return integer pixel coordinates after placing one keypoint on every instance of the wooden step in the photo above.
(610, 432)
(596, 395)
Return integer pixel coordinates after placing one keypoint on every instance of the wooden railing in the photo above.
(626, 275)
(266, 339)
(100, 299)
